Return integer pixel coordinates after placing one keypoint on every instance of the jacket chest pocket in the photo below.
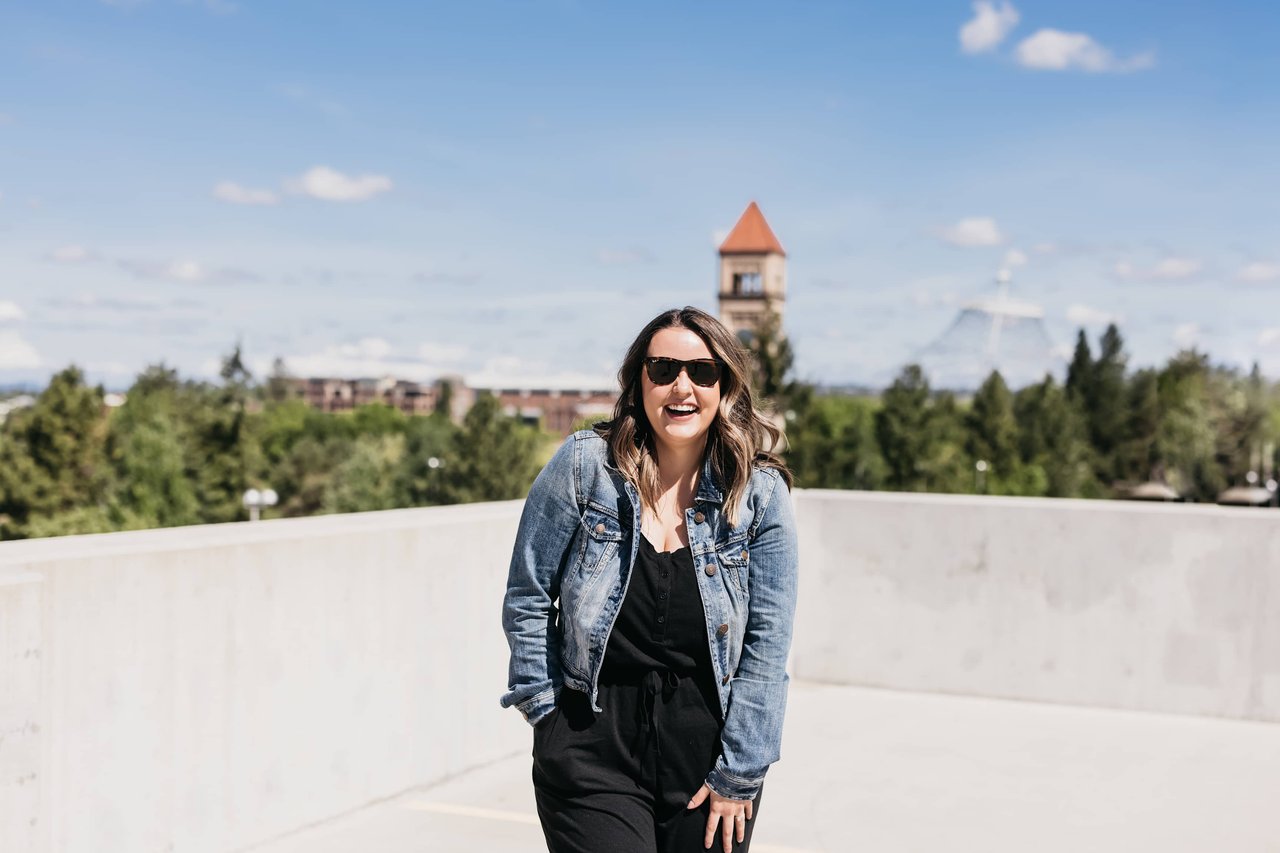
(735, 557)
(601, 537)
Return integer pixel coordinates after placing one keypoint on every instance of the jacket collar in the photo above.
(708, 487)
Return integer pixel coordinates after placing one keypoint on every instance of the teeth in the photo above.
(683, 408)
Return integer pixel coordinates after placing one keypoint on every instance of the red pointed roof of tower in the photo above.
(751, 236)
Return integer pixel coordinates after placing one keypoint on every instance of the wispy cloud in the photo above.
(71, 255)
(322, 182)
(624, 257)
(16, 353)
(374, 357)
(308, 98)
(973, 231)
(1187, 335)
(1269, 337)
(11, 312)
(1056, 50)
(1173, 268)
(185, 271)
(233, 193)
(449, 278)
(1259, 272)
(1086, 315)
(988, 26)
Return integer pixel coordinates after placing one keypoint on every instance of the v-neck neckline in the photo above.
(662, 553)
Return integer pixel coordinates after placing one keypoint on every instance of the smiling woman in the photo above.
(670, 526)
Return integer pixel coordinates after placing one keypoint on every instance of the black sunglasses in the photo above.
(663, 371)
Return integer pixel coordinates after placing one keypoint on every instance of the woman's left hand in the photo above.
(731, 815)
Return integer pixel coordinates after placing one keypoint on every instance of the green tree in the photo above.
(53, 456)
(1052, 439)
(901, 426)
(991, 428)
(493, 456)
(832, 444)
(366, 479)
(147, 448)
(420, 477)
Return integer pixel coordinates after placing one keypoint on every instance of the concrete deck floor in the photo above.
(888, 772)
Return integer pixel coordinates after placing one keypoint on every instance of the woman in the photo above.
(649, 605)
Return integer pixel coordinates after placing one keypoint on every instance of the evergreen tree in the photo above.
(991, 428)
(832, 445)
(1137, 460)
(53, 457)
(1052, 440)
(772, 360)
(1080, 372)
(902, 428)
(1106, 403)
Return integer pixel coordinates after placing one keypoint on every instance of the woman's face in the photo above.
(672, 428)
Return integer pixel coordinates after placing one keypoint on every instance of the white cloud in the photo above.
(719, 235)
(1187, 334)
(16, 353)
(1259, 272)
(11, 312)
(1085, 315)
(446, 353)
(624, 257)
(1015, 258)
(1172, 268)
(71, 255)
(973, 231)
(330, 185)
(988, 27)
(233, 193)
(1269, 337)
(184, 270)
(372, 357)
(1055, 50)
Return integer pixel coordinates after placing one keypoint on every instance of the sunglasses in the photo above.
(702, 371)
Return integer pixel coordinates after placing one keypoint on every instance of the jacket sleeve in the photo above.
(752, 734)
(545, 532)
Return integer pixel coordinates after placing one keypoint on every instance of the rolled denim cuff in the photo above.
(733, 787)
(537, 707)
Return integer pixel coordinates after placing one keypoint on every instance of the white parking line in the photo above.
(523, 817)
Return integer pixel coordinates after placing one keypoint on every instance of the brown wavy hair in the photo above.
(737, 436)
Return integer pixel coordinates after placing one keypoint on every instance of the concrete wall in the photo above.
(1172, 608)
(21, 711)
(209, 688)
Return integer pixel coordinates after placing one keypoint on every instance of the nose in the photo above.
(683, 383)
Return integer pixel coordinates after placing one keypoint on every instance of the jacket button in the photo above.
(600, 527)
(724, 680)
(745, 555)
(710, 569)
(698, 518)
(722, 630)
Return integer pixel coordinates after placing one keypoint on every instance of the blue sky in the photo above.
(509, 190)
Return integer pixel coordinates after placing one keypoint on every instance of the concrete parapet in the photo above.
(21, 711)
(1169, 608)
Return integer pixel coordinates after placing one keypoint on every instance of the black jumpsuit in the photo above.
(619, 781)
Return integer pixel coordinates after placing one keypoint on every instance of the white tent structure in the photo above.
(997, 333)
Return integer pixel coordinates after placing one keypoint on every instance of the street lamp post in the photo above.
(255, 500)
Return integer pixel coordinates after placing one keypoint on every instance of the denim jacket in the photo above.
(575, 546)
